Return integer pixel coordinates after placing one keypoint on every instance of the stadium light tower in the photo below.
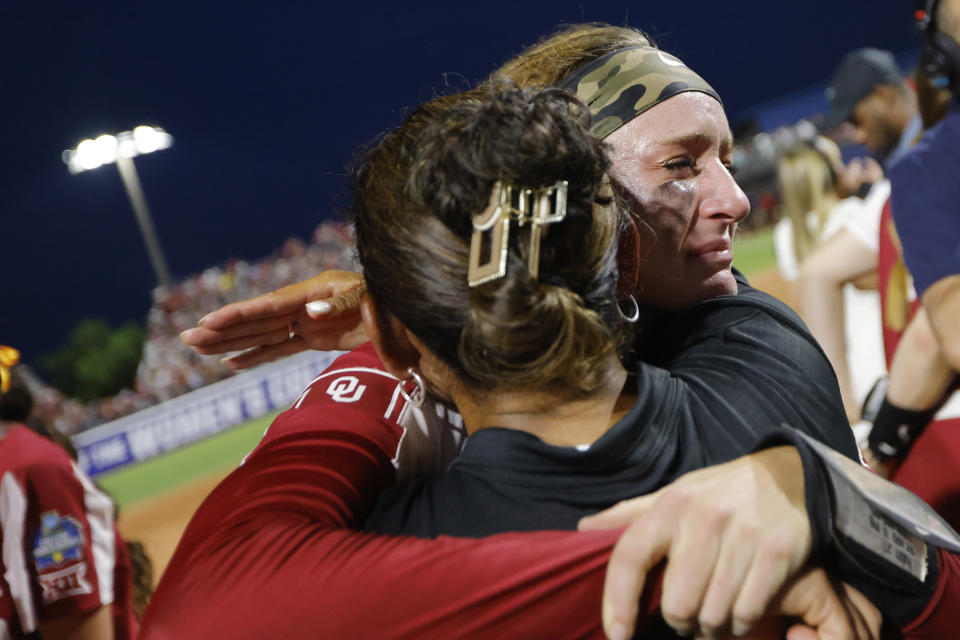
(121, 149)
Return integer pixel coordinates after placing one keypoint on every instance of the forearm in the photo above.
(271, 554)
(942, 303)
(919, 373)
(876, 536)
(280, 561)
(341, 583)
(821, 306)
(919, 377)
(841, 259)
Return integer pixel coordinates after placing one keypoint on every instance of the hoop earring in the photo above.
(634, 314)
(416, 398)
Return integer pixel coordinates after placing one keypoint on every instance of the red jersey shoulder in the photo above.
(21, 449)
(42, 470)
(354, 392)
(355, 378)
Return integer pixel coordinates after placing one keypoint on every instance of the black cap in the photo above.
(859, 73)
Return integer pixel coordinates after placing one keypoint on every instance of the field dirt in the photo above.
(159, 521)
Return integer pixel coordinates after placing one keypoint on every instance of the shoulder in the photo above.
(23, 450)
(767, 339)
(354, 403)
(760, 310)
(355, 384)
(747, 324)
(357, 377)
(935, 152)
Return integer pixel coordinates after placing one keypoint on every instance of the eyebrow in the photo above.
(699, 138)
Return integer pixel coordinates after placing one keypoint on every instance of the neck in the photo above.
(561, 418)
(905, 113)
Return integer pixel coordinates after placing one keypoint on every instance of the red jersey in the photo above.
(271, 552)
(61, 553)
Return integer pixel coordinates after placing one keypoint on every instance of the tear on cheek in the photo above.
(675, 193)
(669, 206)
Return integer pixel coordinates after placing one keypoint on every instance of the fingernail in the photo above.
(203, 319)
(318, 308)
(739, 628)
(617, 632)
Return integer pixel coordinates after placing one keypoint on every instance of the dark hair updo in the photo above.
(415, 195)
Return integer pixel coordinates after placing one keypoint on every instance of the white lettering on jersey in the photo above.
(346, 389)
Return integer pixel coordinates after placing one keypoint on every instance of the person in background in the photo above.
(66, 571)
(869, 94)
(819, 197)
(925, 206)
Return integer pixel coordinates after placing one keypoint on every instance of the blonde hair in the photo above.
(807, 182)
(555, 57)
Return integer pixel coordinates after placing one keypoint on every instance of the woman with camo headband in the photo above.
(486, 227)
(734, 367)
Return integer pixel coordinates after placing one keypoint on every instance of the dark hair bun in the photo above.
(414, 237)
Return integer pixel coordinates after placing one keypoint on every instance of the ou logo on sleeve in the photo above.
(346, 389)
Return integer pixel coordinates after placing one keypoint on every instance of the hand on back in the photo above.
(737, 538)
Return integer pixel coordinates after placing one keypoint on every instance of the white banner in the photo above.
(198, 414)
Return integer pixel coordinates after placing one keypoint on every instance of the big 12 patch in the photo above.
(58, 555)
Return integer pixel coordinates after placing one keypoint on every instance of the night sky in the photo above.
(266, 103)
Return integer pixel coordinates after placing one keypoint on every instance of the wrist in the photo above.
(875, 535)
(785, 467)
(895, 429)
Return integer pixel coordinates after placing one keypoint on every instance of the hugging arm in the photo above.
(727, 558)
(273, 555)
(281, 322)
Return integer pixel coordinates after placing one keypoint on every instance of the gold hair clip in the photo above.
(8, 357)
(491, 228)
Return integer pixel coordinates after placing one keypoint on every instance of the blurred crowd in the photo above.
(168, 368)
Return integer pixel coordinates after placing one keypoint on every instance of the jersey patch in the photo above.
(59, 540)
(346, 389)
(64, 583)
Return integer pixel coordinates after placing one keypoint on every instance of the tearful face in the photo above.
(671, 165)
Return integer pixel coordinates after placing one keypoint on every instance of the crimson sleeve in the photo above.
(939, 618)
(70, 541)
(269, 554)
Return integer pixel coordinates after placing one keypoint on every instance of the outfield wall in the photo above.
(198, 414)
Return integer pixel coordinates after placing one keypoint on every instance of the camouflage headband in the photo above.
(621, 85)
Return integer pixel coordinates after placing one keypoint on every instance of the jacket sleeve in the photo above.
(939, 619)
